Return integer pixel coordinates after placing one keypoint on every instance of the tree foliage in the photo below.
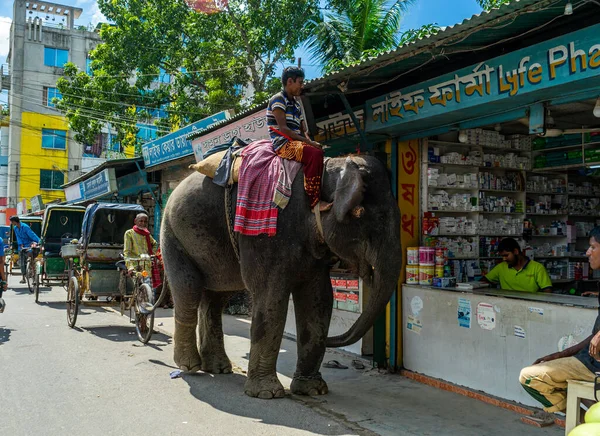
(491, 4)
(354, 30)
(209, 59)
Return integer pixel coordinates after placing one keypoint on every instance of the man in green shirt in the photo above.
(517, 272)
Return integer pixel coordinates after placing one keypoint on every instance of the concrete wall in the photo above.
(480, 359)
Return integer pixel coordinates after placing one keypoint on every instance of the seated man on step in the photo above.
(546, 379)
(289, 136)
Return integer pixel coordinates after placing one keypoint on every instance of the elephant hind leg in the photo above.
(185, 281)
(210, 331)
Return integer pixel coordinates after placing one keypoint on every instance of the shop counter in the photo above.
(481, 339)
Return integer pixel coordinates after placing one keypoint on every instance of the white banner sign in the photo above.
(251, 127)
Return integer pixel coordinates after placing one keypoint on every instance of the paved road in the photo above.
(98, 379)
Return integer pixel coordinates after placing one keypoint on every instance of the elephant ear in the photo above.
(349, 191)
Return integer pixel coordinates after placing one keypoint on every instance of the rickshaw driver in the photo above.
(139, 241)
(27, 240)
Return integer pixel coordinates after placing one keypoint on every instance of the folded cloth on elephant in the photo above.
(223, 175)
(220, 163)
(264, 179)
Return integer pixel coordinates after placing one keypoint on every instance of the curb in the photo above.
(488, 399)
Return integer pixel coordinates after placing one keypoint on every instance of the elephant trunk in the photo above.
(385, 279)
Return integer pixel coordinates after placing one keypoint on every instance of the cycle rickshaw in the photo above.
(60, 225)
(12, 254)
(97, 273)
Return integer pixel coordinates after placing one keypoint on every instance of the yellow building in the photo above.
(44, 157)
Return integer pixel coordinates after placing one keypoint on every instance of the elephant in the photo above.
(362, 228)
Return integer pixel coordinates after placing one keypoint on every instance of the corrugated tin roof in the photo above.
(113, 163)
(257, 107)
(484, 20)
(508, 23)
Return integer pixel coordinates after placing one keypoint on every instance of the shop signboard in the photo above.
(559, 61)
(37, 203)
(338, 125)
(74, 193)
(176, 145)
(22, 207)
(253, 126)
(100, 184)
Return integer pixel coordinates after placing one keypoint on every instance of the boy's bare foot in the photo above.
(324, 206)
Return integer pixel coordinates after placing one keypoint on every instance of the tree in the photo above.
(352, 30)
(207, 59)
(491, 4)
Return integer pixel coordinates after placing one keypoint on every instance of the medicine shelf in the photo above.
(548, 236)
(583, 195)
(547, 214)
(501, 190)
(453, 188)
(546, 193)
(501, 213)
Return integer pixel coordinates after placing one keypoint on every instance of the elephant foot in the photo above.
(311, 386)
(216, 364)
(265, 388)
(188, 360)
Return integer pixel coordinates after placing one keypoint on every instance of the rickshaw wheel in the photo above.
(36, 287)
(144, 322)
(72, 301)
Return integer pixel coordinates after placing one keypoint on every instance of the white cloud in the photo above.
(4, 37)
(97, 16)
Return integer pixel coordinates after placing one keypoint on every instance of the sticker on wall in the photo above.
(519, 332)
(537, 310)
(414, 324)
(464, 313)
(416, 305)
(486, 317)
(566, 342)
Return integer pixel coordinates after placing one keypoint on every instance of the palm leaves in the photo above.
(355, 28)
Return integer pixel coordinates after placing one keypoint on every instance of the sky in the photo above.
(442, 12)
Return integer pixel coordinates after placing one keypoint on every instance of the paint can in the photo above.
(412, 275)
(412, 256)
(426, 274)
(426, 256)
(439, 271)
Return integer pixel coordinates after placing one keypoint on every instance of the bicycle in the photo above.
(142, 298)
(31, 276)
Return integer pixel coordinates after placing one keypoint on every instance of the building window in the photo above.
(54, 139)
(88, 67)
(49, 94)
(50, 179)
(55, 57)
(99, 145)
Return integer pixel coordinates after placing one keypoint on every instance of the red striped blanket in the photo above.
(263, 174)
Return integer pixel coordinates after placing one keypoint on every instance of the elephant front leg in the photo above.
(210, 332)
(312, 305)
(268, 322)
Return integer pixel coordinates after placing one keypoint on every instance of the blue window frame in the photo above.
(50, 94)
(54, 139)
(50, 179)
(163, 76)
(88, 67)
(55, 57)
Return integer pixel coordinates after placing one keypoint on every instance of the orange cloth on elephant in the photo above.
(312, 159)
